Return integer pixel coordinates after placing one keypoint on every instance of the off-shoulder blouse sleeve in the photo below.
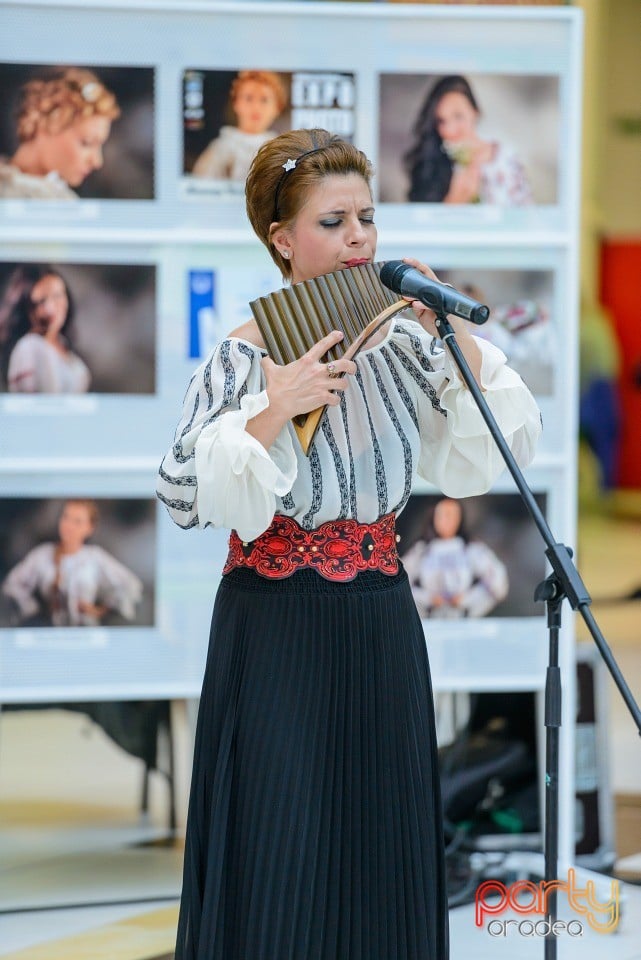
(458, 454)
(215, 472)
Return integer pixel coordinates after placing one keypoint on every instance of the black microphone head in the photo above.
(392, 272)
(480, 314)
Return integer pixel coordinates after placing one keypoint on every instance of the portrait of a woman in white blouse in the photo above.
(39, 355)
(453, 576)
(69, 582)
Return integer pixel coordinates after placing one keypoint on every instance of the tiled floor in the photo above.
(137, 933)
(98, 848)
(117, 932)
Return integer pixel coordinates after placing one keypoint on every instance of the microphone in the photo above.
(440, 297)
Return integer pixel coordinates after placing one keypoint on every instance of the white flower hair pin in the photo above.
(90, 91)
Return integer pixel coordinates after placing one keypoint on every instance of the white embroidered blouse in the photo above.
(89, 576)
(230, 155)
(451, 578)
(504, 180)
(405, 412)
(35, 366)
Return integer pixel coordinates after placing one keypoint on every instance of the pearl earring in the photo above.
(286, 254)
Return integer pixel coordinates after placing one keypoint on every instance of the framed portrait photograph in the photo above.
(70, 132)
(522, 320)
(76, 563)
(91, 564)
(533, 318)
(472, 557)
(228, 115)
(489, 139)
(72, 329)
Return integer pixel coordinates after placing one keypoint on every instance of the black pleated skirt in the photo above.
(314, 826)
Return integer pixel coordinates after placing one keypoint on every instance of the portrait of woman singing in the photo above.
(38, 355)
(314, 828)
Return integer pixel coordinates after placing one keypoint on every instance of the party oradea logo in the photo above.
(532, 900)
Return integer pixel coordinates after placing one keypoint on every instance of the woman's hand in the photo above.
(427, 318)
(92, 609)
(424, 315)
(307, 383)
(465, 185)
(299, 387)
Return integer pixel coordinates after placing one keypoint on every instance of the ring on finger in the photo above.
(330, 369)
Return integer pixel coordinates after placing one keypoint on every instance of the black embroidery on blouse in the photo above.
(338, 466)
(416, 375)
(181, 505)
(247, 351)
(179, 456)
(189, 385)
(190, 422)
(407, 450)
(288, 502)
(207, 383)
(417, 347)
(352, 473)
(177, 481)
(194, 522)
(214, 416)
(307, 522)
(379, 468)
(229, 386)
(400, 386)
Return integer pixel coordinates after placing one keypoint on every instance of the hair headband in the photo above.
(288, 166)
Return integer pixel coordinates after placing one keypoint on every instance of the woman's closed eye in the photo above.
(369, 221)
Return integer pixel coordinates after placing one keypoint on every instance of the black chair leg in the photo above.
(144, 800)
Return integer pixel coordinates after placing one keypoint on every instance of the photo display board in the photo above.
(140, 249)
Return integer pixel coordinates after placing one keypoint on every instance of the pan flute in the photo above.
(293, 319)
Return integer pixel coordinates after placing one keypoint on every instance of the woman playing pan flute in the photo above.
(314, 827)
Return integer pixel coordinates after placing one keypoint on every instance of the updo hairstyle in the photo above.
(51, 103)
(275, 195)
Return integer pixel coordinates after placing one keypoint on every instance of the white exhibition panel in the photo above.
(107, 444)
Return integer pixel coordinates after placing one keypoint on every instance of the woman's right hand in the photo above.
(92, 609)
(465, 185)
(307, 383)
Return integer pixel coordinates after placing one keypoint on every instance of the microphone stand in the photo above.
(564, 582)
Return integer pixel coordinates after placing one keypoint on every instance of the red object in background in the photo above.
(621, 294)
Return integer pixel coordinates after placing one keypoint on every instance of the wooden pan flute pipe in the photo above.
(293, 319)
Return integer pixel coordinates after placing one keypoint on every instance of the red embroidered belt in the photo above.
(338, 549)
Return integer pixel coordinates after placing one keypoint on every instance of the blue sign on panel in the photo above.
(201, 311)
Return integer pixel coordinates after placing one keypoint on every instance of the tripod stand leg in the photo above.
(552, 724)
